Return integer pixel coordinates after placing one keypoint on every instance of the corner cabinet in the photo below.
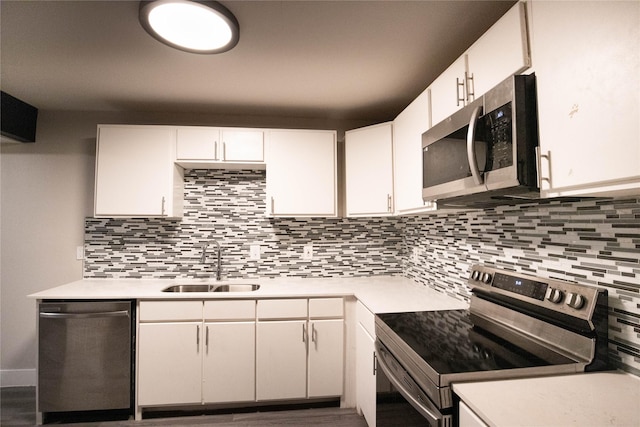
(302, 173)
(369, 170)
(135, 172)
(587, 64)
(408, 128)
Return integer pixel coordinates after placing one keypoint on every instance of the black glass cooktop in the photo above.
(450, 343)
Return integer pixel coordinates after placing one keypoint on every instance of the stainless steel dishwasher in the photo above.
(84, 356)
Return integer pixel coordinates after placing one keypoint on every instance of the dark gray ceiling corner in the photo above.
(364, 60)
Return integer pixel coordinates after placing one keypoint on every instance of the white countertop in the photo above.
(591, 399)
(381, 294)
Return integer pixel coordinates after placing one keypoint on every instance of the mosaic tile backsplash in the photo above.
(595, 242)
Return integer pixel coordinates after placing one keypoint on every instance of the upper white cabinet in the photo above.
(369, 170)
(408, 128)
(206, 147)
(501, 51)
(448, 91)
(587, 61)
(135, 172)
(302, 173)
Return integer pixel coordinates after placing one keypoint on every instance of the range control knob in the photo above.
(575, 301)
(475, 275)
(486, 278)
(554, 295)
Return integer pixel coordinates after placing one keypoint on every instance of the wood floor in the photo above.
(18, 408)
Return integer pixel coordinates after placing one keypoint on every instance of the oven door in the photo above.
(404, 404)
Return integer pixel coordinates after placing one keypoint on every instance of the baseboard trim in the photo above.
(18, 377)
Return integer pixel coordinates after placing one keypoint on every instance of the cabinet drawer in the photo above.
(230, 310)
(170, 310)
(326, 307)
(366, 318)
(282, 309)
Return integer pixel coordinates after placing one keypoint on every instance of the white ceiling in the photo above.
(322, 59)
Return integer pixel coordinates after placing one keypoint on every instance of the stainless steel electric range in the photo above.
(516, 326)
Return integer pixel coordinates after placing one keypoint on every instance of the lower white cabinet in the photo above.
(169, 363)
(222, 351)
(192, 352)
(299, 353)
(229, 362)
(468, 418)
(281, 367)
(365, 364)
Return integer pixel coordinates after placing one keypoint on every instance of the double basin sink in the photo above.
(237, 287)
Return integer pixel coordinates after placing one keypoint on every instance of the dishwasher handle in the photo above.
(119, 313)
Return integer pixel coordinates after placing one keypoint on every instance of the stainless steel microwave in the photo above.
(485, 154)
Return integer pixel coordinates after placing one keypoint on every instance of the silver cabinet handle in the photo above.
(206, 339)
(163, 206)
(224, 151)
(198, 337)
(272, 203)
(304, 332)
(389, 200)
(470, 87)
(459, 98)
(215, 150)
(471, 146)
(375, 364)
(314, 335)
(541, 156)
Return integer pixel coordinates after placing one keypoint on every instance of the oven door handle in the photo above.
(427, 409)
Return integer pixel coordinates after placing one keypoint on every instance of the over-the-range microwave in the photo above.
(485, 154)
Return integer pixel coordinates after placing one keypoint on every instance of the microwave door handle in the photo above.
(471, 146)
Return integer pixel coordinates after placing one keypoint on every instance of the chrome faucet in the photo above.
(203, 258)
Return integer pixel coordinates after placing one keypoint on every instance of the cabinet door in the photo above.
(169, 363)
(242, 145)
(468, 418)
(447, 96)
(326, 358)
(197, 143)
(587, 65)
(366, 374)
(281, 360)
(229, 362)
(502, 51)
(134, 171)
(301, 173)
(408, 128)
(369, 170)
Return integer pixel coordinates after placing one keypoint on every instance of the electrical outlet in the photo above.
(307, 252)
(254, 252)
(415, 255)
(79, 253)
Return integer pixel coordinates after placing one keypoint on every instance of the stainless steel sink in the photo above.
(239, 287)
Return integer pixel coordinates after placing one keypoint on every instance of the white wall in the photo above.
(46, 191)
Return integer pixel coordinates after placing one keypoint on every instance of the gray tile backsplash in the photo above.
(595, 242)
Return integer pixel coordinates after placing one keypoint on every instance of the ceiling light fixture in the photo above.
(191, 25)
